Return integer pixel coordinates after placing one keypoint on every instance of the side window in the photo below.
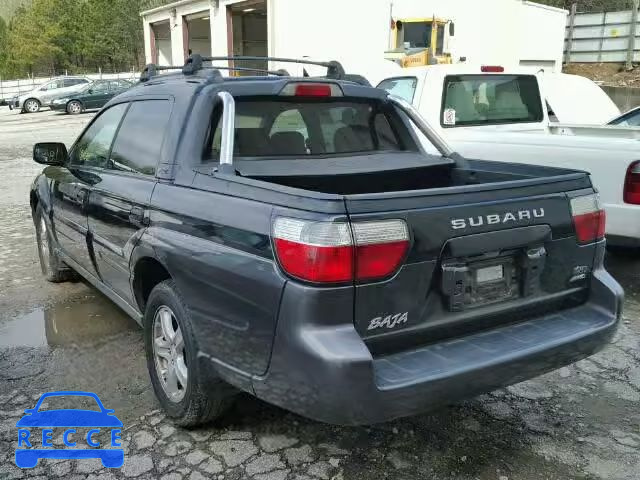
(138, 144)
(100, 87)
(56, 84)
(48, 86)
(70, 82)
(92, 149)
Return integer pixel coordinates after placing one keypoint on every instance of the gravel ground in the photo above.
(581, 421)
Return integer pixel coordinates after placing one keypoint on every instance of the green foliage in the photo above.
(591, 5)
(8, 8)
(3, 45)
(50, 36)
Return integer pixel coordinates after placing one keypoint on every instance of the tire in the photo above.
(74, 107)
(31, 105)
(53, 269)
(205, 396)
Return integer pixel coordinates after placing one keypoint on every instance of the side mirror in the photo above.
(452, 29)
(50, 153)
(90, 90)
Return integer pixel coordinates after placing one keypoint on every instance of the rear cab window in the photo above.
(490, 100)
(278, 127)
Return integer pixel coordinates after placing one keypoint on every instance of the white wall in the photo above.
(542, 31)
(346, 30)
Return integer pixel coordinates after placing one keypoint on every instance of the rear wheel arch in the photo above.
(147, 273)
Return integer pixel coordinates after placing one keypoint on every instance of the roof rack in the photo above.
(195, 62)
(334, 68)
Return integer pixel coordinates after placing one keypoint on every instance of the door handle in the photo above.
(81, 196)
(137, 215)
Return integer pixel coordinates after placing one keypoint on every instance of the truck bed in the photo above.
(398, 173)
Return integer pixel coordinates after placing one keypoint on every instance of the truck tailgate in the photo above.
(477, 259)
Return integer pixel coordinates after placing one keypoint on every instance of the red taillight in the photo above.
(588, 218)
(310, 89)
(327, 252)
(491, 69)
(313, 90)
(632, 184)
(315, 263)
(380, 247)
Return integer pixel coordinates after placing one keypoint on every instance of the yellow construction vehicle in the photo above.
(419, 41)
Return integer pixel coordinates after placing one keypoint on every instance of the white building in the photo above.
(356, 32)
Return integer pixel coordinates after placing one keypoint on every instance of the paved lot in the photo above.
(579, 422)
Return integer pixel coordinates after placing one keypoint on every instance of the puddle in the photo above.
(82, 322)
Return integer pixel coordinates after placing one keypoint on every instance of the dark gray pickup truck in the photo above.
(288, 237)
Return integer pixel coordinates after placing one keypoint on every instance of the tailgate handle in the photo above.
(479, 243)
(532, 263)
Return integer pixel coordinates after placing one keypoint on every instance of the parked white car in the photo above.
(31, 102)
(489, 113)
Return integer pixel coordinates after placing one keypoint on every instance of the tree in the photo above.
(33, 38)
(48, 36)
(591, 5)
(3, 47)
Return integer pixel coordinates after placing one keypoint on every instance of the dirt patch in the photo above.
(613, 74)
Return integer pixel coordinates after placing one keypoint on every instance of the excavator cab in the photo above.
(420, 41)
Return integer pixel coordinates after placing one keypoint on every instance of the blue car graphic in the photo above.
(110, 457)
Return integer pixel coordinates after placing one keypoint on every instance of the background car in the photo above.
(94, 95)
(30, 102)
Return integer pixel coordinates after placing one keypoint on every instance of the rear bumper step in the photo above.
(328, 374)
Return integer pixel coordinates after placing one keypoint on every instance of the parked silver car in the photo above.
(30, 102)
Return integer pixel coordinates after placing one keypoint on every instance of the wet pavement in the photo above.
(580, 422)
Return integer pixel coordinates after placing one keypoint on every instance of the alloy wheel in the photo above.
(32, 106)
(43, 243)
(169, 354)
(74, 108)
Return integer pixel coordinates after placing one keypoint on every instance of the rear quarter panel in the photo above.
(217, 250)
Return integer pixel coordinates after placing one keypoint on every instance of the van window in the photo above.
(490, 100)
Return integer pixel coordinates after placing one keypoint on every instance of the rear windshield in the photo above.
(297, 128)
(490, 100)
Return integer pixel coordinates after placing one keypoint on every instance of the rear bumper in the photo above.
(328, 374)
(623, 224)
